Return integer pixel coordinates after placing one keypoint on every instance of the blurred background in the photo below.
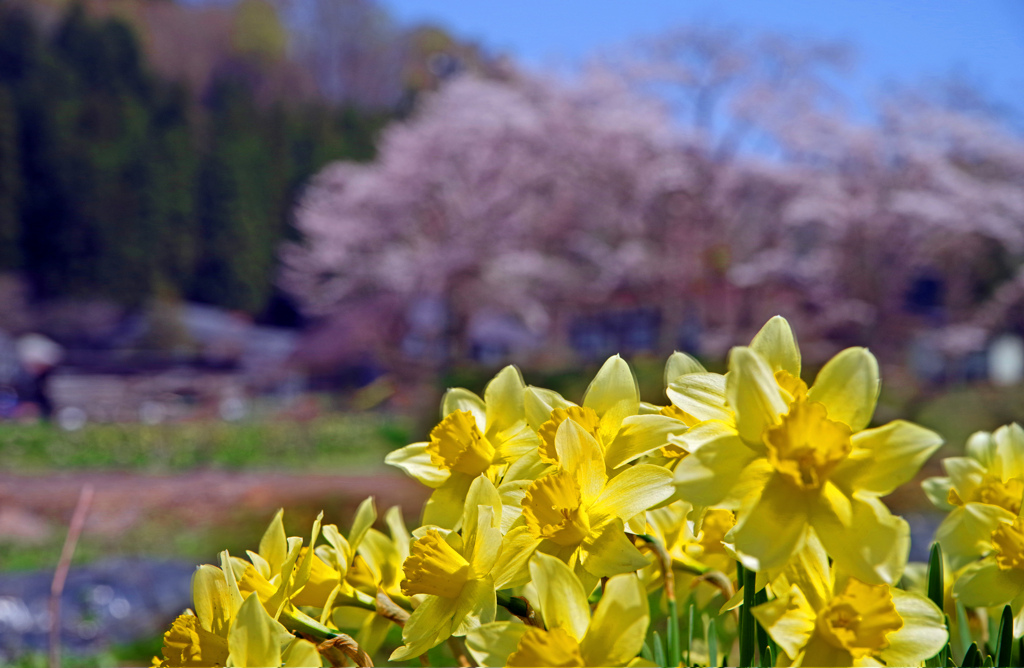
(245, 246)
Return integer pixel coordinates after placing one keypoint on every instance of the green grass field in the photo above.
(350, 442)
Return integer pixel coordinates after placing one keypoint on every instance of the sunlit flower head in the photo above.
(821, 618)
(981, 491)
(790, 458)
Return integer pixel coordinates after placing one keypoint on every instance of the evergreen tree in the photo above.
(117, 184)
(240, 222)
(10, 184)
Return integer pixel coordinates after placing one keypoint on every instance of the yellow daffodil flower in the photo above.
(475, 437)
(693, 555)
(455, 575)
(802, 458)
(981, 491)
(821, 619)
(579, 514)
(377, 567)
(227, 631)
(280, 571)
(998, 579)
(571, 636)
(334, 567)
(200, 639)
(611, 413)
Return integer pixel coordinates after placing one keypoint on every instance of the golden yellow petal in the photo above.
(552, 509)
(584, 417)
(859, 619)
(187, 643)
(806, 446)
(456, 444)
(434, 567)
(538, 647)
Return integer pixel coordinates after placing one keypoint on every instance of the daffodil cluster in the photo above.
(577, 534)
(982, 536)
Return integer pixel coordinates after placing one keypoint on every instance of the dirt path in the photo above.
(32, 508)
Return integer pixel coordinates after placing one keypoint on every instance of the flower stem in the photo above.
(668, 576)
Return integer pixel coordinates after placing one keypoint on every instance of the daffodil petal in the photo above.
(299, 653)
(366, 515)
(922, 635)
(378, 552)
(255, 637)
(512, 567)
(484, 544)
(211, 599)
(680, 364)
(491, 644)
(965, 473)
(580, 455)
(512, 495)
(619, 626)
(399, 533)
(874, 544)
(884, 458)
(482, 492)
(460, 399)
(562, 601)
(965, 534)
(613, 385)
(341, 555)
(701, 394)
(609, 552)
(640, 435)
(516, 442)
(273, 544)
(538, 404)
(789, 619)
(301, 574)
(773, 529)
(701, 433)
(706, 477)
(984, 584)
(444, 507)
(754, 394)
(848, 385)
(636, 489)
(809, 570)
(776, 343)
(529, 467)
(414, 460)
(981, 446)
(503, 398)
(937, 490)
(429, 624)
(1009, 441)
(477, 606)
(820, 652)
(227, 566)
(261, 564)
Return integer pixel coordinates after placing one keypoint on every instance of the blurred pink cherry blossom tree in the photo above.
(710, 177)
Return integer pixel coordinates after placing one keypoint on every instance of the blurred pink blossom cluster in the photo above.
(704, 176)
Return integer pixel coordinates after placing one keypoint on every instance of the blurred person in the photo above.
(39, 357)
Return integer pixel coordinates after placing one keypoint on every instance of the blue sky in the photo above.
(901, 41)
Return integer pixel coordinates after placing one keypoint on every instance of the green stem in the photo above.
(518, 607)
(296, 620)
(357, 600)
(748, 642)
(675, 653)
